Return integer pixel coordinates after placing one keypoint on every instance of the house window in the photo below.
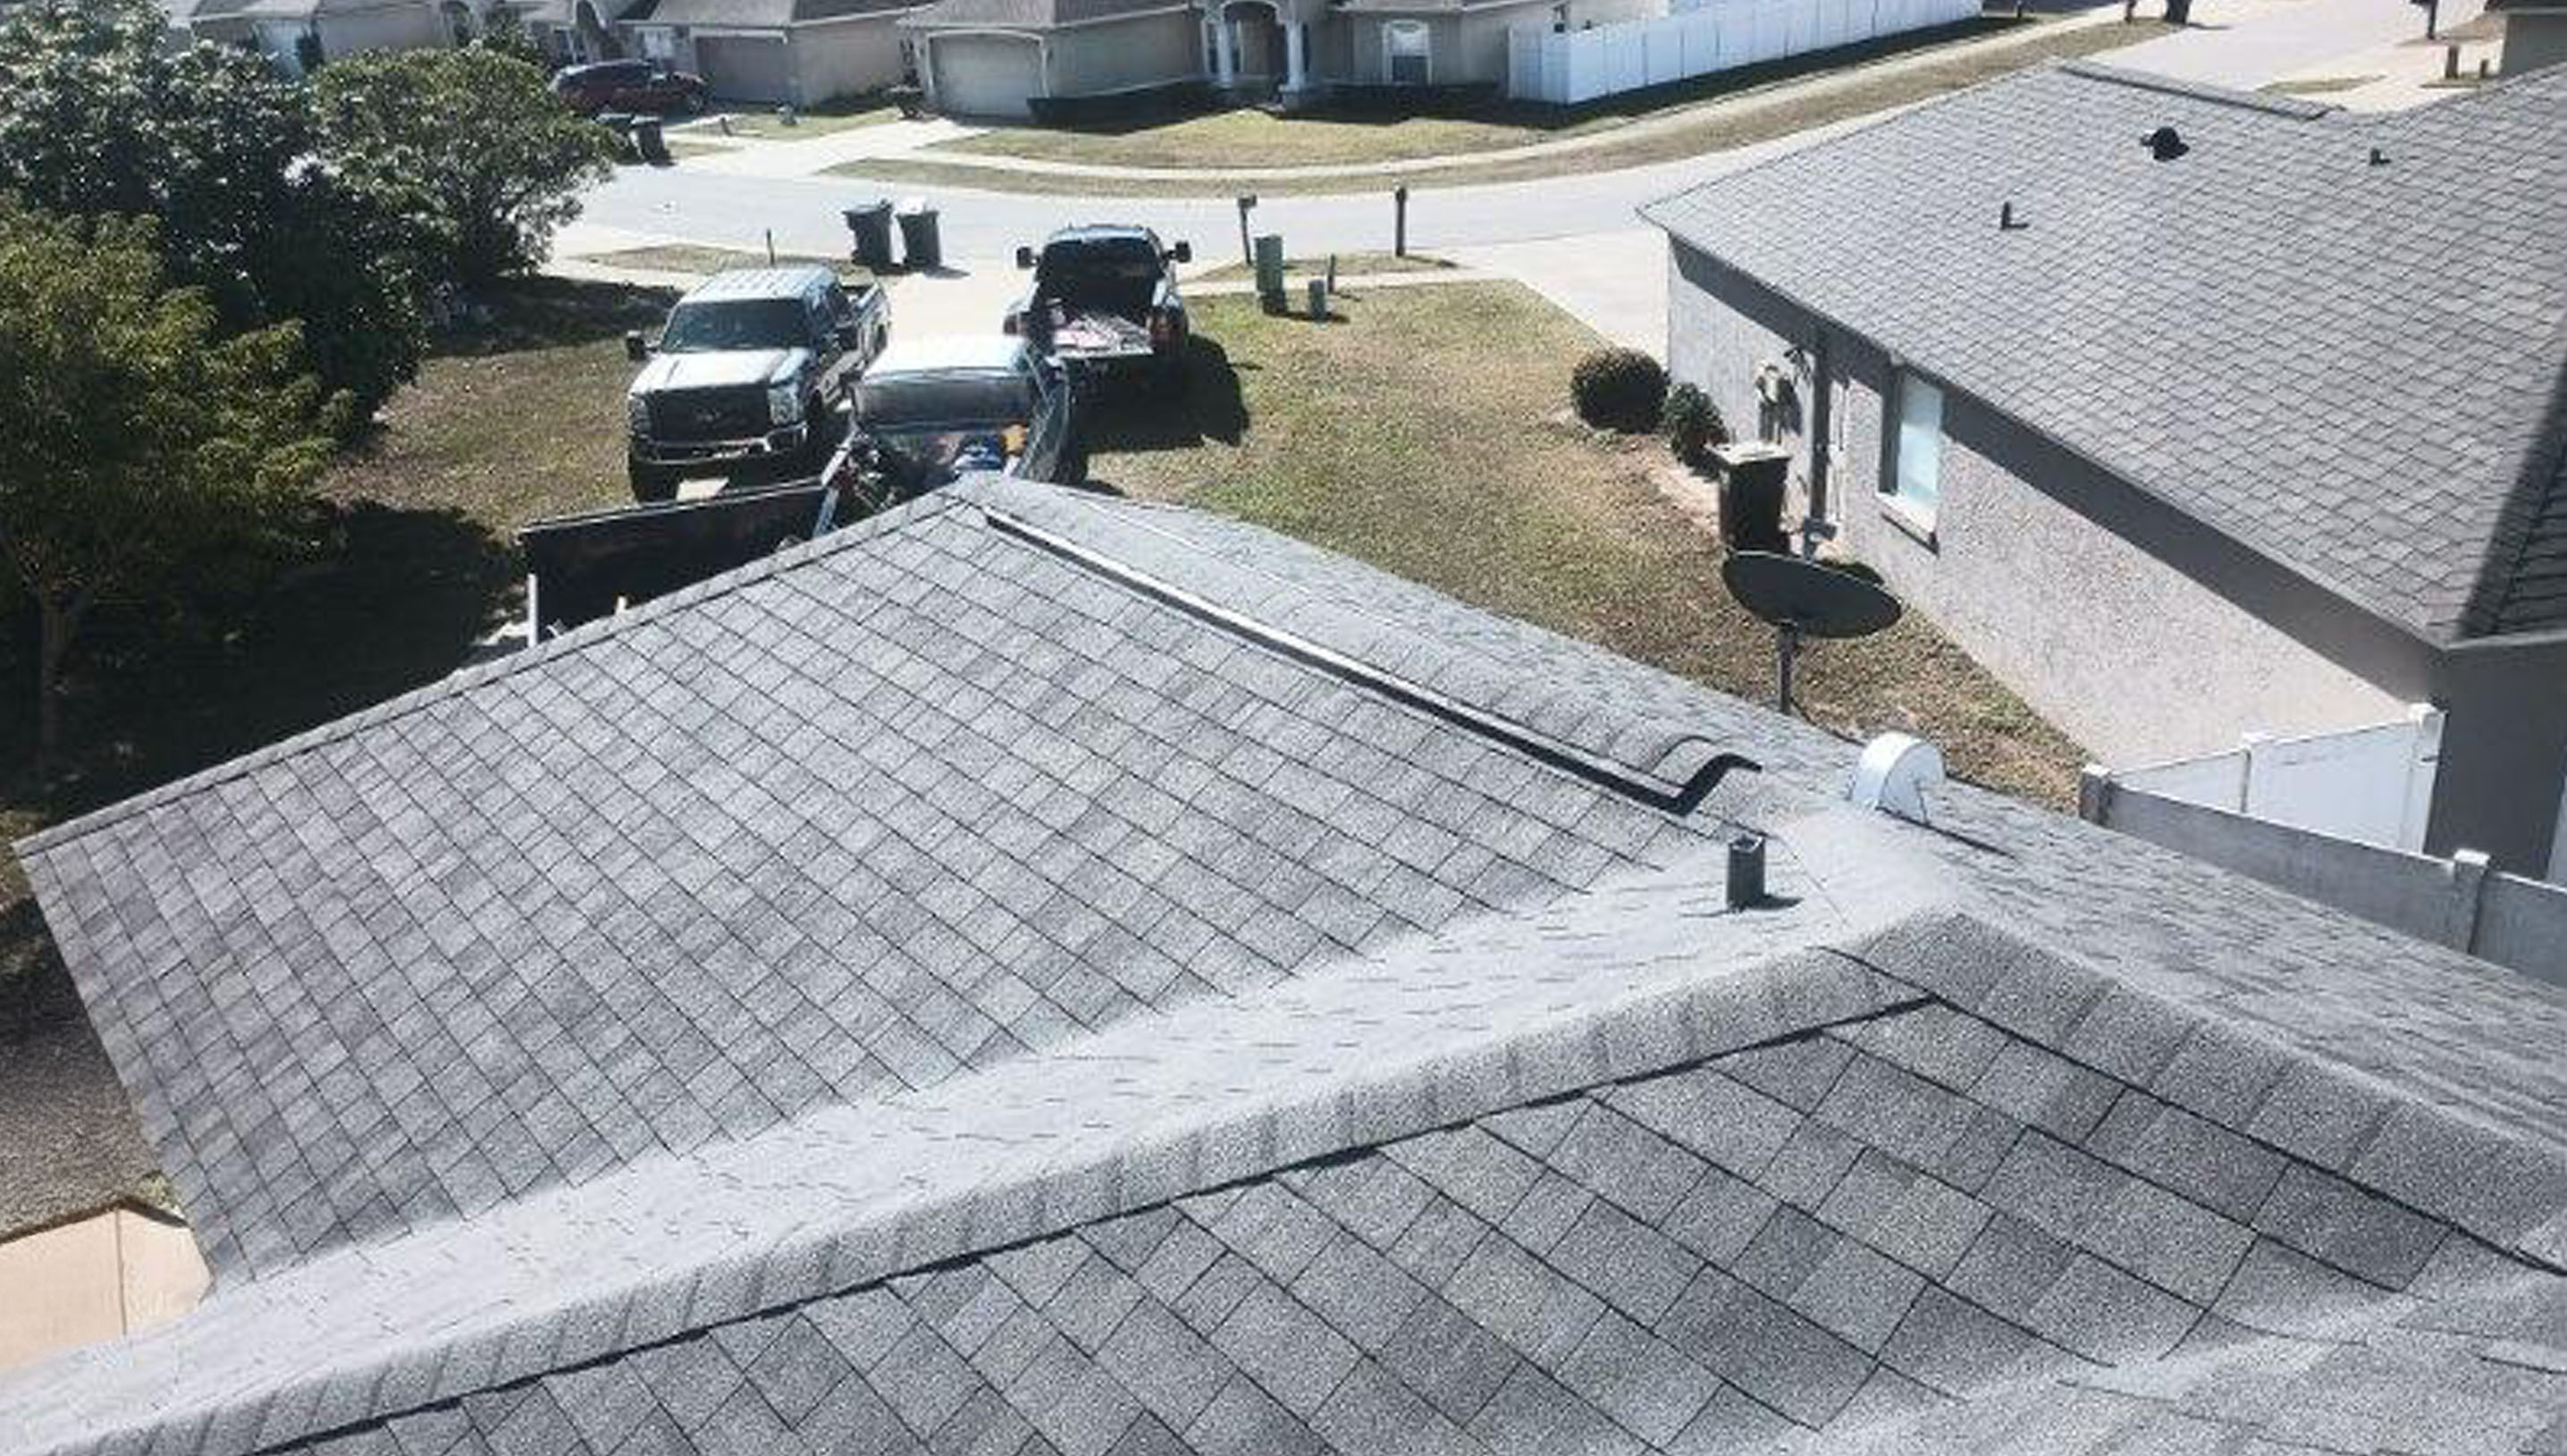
(659, 43)
(1916, 468)
(1404, 45)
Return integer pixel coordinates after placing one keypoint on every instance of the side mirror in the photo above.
(1025, 258)
(636, 347)
(1183, 252)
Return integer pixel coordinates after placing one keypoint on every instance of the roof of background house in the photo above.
(1031, 14)
(2359, 369)
(1053, 976)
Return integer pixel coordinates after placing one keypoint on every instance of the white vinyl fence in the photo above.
(1703, 36)
(2373, 783)
(2458, 902)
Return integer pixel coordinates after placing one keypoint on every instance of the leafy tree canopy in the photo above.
(469, 148)
(99, 116)
(141, 450)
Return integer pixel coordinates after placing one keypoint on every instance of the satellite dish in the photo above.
(1801, 598)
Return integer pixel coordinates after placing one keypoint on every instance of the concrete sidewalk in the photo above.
(775, 156)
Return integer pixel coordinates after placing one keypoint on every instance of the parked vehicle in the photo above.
(937, 409)
(746, 376)
(628, 86)
(1104, 302)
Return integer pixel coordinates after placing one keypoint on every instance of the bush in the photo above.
(1619, 388)
(1694, 425)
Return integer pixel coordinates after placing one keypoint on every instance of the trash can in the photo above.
(648, 140)
(1752, 477)
(920, 247)
(868, 224)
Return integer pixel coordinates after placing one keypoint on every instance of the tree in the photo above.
(469, 148)
(99, 116)
(142, 451)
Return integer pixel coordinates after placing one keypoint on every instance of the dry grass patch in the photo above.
(1349, 265)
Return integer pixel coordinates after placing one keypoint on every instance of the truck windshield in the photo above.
(1120, 273)
(946, 401)
(735, 323)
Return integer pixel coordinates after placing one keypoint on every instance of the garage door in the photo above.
(747, 68)
(985, 76)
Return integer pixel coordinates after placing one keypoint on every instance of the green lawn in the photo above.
(1253, 138)
(1397, 438)
(705, 261)
(1349, 265)
(767, 125)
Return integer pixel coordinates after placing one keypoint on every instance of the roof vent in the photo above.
(1746, 871)
(1894, 775)
(2379, 157)
(2007, 222)
(2164, 144)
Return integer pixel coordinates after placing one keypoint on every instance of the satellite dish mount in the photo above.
(1801, 598)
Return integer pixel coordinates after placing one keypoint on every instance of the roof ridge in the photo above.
(2534, 515)
(2297, 109)
(1689, 777)
(466, 679)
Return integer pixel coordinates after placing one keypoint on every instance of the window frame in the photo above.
(1916, 512)
(1391, 32)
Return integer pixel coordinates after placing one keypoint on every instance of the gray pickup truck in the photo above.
(745, 381)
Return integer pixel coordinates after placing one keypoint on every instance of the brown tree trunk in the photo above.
(57, 621)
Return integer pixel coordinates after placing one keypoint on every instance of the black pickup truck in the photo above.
(745, 379)
(1104, 302)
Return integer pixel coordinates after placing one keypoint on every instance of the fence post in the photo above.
(2095, 795)
(2468, 873)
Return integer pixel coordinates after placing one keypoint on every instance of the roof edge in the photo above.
(2298, 108)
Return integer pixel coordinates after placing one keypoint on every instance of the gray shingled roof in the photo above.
(1581, 1163)
(2357, 370)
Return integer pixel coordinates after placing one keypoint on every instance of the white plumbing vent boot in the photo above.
(1894, 775)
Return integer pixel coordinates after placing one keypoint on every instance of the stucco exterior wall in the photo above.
(845, 57)
(2135, 659)
(98, 1278)
(1146, 50)
(2533, 39)
(393, 28)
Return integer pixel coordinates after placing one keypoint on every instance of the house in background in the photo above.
(2535, 33)
(996, 58)
(296, 33)
(802, 52)
(2191, 414)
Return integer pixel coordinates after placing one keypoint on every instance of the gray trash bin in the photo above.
(647, 141)
(918, 244)
(868, 224)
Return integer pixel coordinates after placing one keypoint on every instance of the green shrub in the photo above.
(1694, 425)
(1618, 389)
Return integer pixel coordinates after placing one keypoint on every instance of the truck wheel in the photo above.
(650, 482)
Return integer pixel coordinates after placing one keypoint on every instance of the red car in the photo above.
(628, 86)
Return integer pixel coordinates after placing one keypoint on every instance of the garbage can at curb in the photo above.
(869, 226)
(1318, 298)
(649, 140)
(918, 244)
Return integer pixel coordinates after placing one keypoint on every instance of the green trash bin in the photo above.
(869, 226)
(921, 249)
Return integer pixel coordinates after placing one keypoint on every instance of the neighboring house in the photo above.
(2535, 33)
(1047, 975)
(801, 52)
(2258, 430)
(292, 33)
(995, 58)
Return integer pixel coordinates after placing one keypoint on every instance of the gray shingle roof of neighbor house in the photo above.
(1049, 976)
(2358, 369)
(755, 14)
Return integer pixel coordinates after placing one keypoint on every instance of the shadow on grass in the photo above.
(383, 601)
(1141, 418)
(547, 313)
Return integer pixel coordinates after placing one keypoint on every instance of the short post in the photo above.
(771, 247)
(1247, 249)
(1785, 641)
(2432, 16)
(2451, 63)
(1269, 272)
(1400, 221)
